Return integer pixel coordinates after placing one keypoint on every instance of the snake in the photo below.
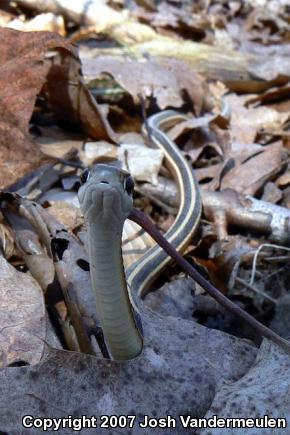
(106, 200)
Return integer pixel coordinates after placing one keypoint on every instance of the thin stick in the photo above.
(254, 289)
(264, 245)
(143, 220)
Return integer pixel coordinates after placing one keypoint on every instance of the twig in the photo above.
(167, 208)
(142, 220)
(277, 258)
(144, 117)
(276, 272)
(66, 162)
(254, 289)
(264, 245)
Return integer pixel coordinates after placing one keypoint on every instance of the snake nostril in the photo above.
(104, 182)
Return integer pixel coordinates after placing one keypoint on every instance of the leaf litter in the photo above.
(56, 118)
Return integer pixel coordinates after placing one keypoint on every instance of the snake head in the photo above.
(105, 195)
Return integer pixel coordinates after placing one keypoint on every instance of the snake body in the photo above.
(106, 201)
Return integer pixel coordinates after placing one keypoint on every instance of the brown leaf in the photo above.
(251, 175)
(276, 96)
(246, 122)
(71, 100)
(212, 171)
(241, 152)
(23, 72)
(201, 58)
(66, 213)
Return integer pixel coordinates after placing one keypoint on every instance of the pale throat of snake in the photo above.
(106, 201)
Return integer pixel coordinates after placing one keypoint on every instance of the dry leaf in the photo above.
(94, 152)
(241, 151)
(66, 213)
(56, 142)
(23, 73)
(207, 60)
(264, 389)
(142, 162)
(247, 122)
(164, 79)
(250, 176)
(95, 13)
(23, 321)
(72, 102)
(48, 22)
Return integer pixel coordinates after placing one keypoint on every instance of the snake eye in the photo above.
(129, 185)
(84, 175)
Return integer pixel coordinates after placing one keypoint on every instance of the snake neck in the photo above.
(114, 308)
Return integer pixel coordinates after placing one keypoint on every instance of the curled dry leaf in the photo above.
(278, 96)
(72, 102)
(36, 259)
(263, 17)
(23, 74)
(284, 179)
(220, 117)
